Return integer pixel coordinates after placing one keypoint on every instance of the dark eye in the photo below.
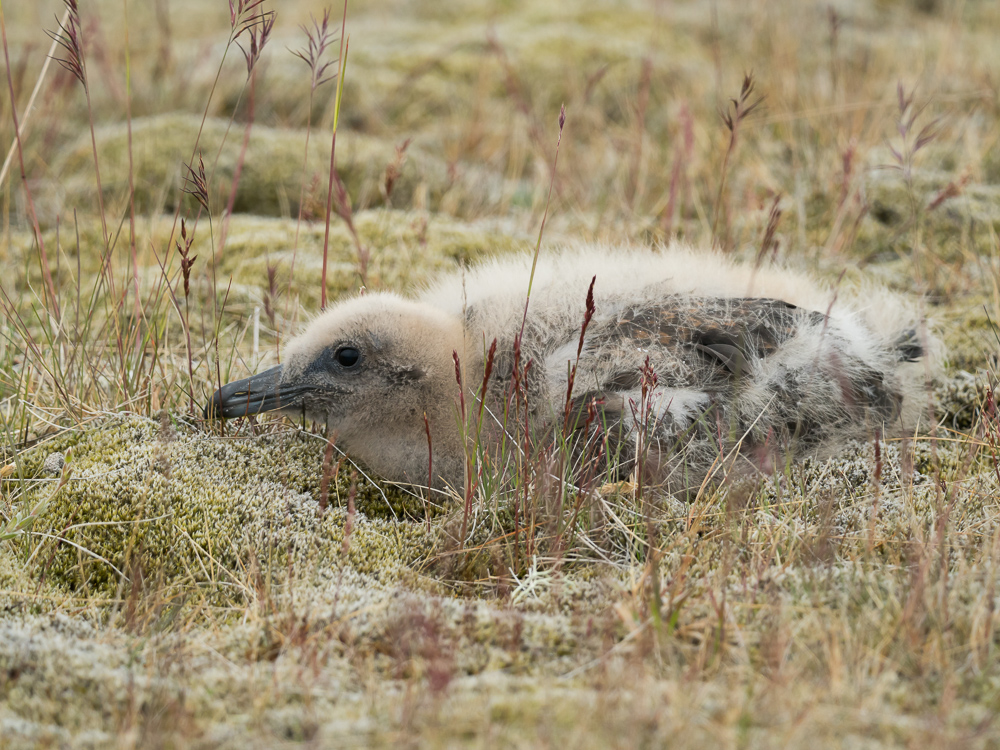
(348, 356)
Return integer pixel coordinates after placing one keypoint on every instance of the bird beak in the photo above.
(253, 395)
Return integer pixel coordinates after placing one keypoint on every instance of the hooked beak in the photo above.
(253, 395)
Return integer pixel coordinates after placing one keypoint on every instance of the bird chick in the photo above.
(687, 361)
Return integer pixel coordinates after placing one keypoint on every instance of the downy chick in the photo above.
(688, 359)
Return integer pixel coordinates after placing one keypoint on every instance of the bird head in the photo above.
(368, 366)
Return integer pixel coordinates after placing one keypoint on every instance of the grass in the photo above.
(166, 582)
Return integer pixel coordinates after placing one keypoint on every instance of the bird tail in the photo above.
(911, 341)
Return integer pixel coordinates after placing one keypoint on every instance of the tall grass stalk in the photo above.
(242, 17)
(257, 29)
(238, 172)
(70, 38)
(318, 40)
(25, 117)
(131, 177)
(741, 108)
(53, 299)
(341, 70)
(545, 216)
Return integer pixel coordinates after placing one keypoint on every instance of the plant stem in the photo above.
(344, 42)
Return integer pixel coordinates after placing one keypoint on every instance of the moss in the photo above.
(970, 333)
(205, 509)
(899, 215)
(272, 176)
(406, 250)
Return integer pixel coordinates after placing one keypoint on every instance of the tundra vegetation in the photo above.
(170, 217)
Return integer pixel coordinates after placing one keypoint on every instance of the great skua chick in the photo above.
(691, 367)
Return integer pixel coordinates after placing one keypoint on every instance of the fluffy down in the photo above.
(691, 368)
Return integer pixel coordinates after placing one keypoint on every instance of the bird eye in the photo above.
(348, 356)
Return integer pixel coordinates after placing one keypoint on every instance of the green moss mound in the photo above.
(176, 504)
(276, 175)
(406, 249)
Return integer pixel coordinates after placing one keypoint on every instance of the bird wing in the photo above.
(698, 341)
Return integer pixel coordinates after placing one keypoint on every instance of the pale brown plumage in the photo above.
(688, 359)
